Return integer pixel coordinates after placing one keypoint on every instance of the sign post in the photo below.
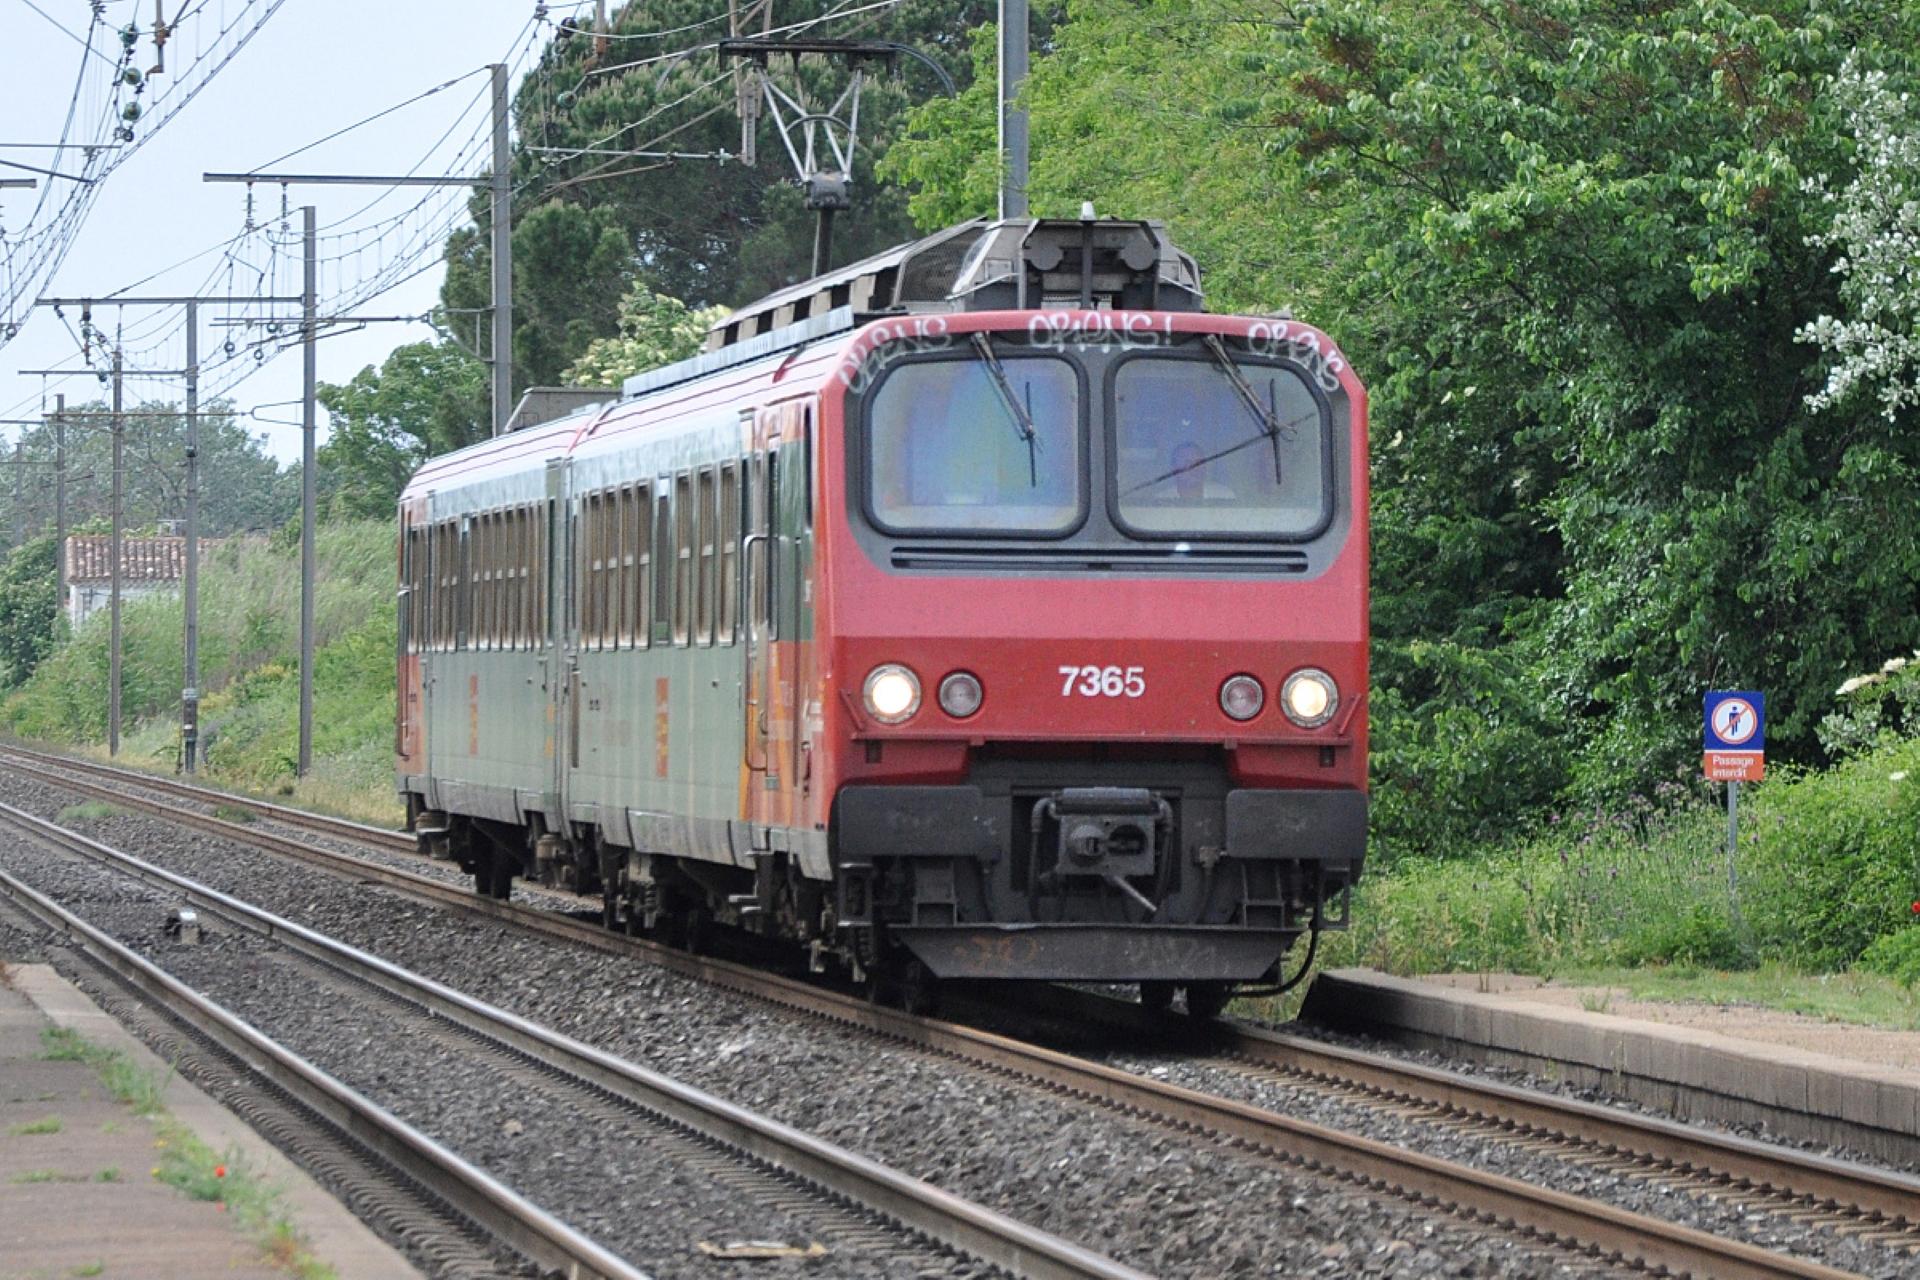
(1735, 751)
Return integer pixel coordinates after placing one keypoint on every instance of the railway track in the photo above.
(531, 1057)
(1853, 1199)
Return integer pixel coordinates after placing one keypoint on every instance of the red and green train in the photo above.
(987, 609)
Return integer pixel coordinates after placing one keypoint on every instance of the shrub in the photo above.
(1894, 955)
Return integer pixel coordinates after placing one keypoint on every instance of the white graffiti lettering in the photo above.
(1128, 330)
(1281, 340)
(880, 346)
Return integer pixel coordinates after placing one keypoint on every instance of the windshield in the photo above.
(947, 451)
(1199, 455)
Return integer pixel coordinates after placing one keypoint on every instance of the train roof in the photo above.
(1014, 264)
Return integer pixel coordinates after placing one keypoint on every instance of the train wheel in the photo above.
(1205, 1000)
(1157, 996)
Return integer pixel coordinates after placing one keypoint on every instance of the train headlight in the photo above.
(961, 694)
(892, 693)
(1310, 697)
(1241, 697)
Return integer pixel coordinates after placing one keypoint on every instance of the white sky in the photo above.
(316, 66)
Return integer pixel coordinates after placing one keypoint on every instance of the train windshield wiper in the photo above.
(1262, 414)
(1022, 420)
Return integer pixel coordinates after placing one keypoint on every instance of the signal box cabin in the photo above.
(984, 609)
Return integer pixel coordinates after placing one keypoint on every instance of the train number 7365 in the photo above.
(1103, 682)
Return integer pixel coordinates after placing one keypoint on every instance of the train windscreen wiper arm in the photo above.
(1261, 413)
(1022, 420)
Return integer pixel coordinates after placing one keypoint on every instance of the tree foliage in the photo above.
(654, 330)
(1876, 228)
(426, 398)
(710, 230)
(242, 487)
(29, 609)
(1568, 245)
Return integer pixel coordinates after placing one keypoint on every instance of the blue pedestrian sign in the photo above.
(1736, 736)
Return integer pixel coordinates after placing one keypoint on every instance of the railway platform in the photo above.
(78, 1196)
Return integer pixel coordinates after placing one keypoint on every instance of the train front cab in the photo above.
(1151, 569)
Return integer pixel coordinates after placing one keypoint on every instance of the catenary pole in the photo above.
(309, 305)
(502, 216)
(113, 556)
(60, 502)
(1013, 119)
(190, 694)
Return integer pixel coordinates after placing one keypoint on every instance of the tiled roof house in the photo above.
(147, 565)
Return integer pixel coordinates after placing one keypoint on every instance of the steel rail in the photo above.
(382, 838)
(1554, 1215)
(961, 1224)
(492, 1207)
(1862, 1191)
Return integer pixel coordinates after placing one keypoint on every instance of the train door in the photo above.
(777, 549)
(559, 661)
(409, 733)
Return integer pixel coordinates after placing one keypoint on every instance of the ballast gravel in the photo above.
(609, 1173)
(1162, 1201)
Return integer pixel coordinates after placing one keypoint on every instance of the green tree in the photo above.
(1876, 227)
(654, 330)
(426, 398)
(242, 487)
(29, 609)
(709, 231)
(1567, 245)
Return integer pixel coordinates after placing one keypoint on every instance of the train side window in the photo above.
(662, 563)
(639, 565)
(488, 624)
(516, 575)
(729, 536)
(542, 518)
(623, 580)
(462, 583)
(682, 557)
(597, 541)
(708, 562)
(583, 575)
(477, 549)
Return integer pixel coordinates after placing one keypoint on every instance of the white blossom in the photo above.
(1876, 226)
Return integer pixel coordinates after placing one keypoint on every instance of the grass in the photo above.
(51, 1124)
(235, 813)
(187, 1164)
(249, 669)
(88, 1269)
(91, 811)
(1854, 998)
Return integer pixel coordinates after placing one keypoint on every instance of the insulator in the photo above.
(129, 36)
(130, 112)
(131, 76)
(229, 346)
(259, 354)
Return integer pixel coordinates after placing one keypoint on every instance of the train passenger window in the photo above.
(682, 558)
(588, 570)
(945, 450)
(1192, 459)
(729, 535)
(662, 563)
(708, 562)
(639, 564)
(605, 549)
(537, 618)
(463, 585)
(516, 576)
(482, 637)
(623, 580)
